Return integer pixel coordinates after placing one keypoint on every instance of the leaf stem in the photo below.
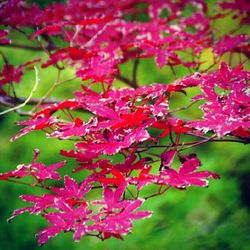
(27, 184)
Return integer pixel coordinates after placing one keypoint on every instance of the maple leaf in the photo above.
(121, 222)
(171, 125)
(41, 203)
(36, 123)
(64, 54)
(144, 178)
(50, 30)
(117, 180)
(241, 7)
(58, 225)
(160, 108)
(151, 91)
(96, 21)
(102, 110)
(67, 219)
(131, 163)
(77, 128)
(99, 69)
(186, 176)
(227, 111)
(71, 190)
(186, 82)
(107, 235)
(112, 199)
(133, 119)
(230, 43)
(10, 74)
(110, 143)
(83, 158)
(4, 40)
(167, 158)
(19, 172)
(37, 170)
(242, 133)
(153, 48)
(119, 212)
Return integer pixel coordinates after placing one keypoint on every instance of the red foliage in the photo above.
(94, 38)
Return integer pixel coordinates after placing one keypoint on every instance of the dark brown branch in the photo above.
(4, 57)
(10, 101)
(135, 68)
(246, 141)
(183, 108)
(27, 184)
(211, 139)
(160, 192)
(127, 81)
(22, 46)
(187, 145)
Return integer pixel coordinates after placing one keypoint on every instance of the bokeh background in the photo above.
(217, 217)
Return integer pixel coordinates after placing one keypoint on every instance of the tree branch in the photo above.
(131, 83)
(28, 184)
(184, 107)
(135, 68)
(10, 101)
(22, 46)
(29, 97)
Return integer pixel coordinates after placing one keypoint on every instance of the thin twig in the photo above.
(22, 46)
(29, 97)
(10, 101)
(158, 193)
(127, 81)
(131, 194)
(56, 83)
(4, 57)
(92, 39)
(183, 108)
(134, 75)
(28, 184)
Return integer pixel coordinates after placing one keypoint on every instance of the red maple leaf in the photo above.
(186, 176)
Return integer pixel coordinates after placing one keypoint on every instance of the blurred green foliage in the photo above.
(213, 218)
(43, 3)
